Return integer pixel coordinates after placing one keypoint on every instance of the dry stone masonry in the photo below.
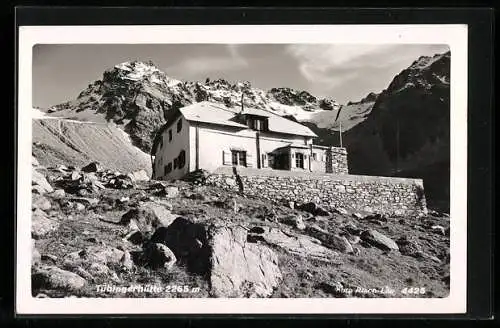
(355, 193)
(339, 160)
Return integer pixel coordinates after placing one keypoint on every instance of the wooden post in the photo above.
(257, 142)
(340, 133)
(197, 146)
(397, 146)
(241, 101)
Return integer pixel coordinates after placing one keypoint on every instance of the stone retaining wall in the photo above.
(355, 193)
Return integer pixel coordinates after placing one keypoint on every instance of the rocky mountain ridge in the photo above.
(408, 128)
(138, 96)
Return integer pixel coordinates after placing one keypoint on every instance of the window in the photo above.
(260, 125)
(181, 159)
(179, 125)
(169, 135)
(315, 157)
(239, 157)
(168, 168)
(257, 124)
(299, 160)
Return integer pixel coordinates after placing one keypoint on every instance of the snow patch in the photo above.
(298, 112)
(36, 113)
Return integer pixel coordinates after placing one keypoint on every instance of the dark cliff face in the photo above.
(408, 129)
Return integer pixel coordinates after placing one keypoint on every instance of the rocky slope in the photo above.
(99, 233)
(350, 115)
(137, 96)
(74, 143)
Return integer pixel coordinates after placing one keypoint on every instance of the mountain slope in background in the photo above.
(137, 96)
(407, 132)
(65, 142)
(350, 115)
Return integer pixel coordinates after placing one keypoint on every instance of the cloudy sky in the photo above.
(340, 71)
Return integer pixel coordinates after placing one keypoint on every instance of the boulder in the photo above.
(342, 211)
(197, 177)
(83, 273)
(408, 246)
(375, 238)
(163, 203)
(352, 229)
(195, 196)
(124, 200)
(40, 183)
(188, 242)
(140, 175)
(101, 270)
(425, 256)
(357, 215)
(49, 257)
(118, 181)
(439, 229)
(61, 168)
(74, 176)
(96, 185)
(52, 277)
(58, 193)
(79, 206)
(83, 192)
(307, 207)
(171, 192)
(40, 202)
(41, 224)
(92, 167)
(239, 268)
(377, 218)
(330, 240)
(353, 239)
(321, 212)
(94, 254)
(296, 221)
(34, 161)
(147, 217)
(36, 258)
(342, 244)
(314, 209)
(230, 182)
(300, 245)
(159, 255)
(85, 200)
(126, 260)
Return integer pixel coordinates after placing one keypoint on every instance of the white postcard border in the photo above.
(453, 35)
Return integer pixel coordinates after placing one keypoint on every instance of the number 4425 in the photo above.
(413, 290)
